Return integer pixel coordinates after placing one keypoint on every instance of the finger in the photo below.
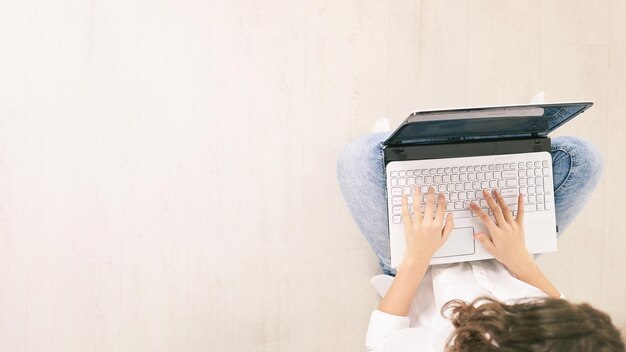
(482, 215)
(447, 229)
(417, 205)
(486, 241)
(495, 209)
(506, 212)
(520, 209)
(430, 203)
(441, 208)
(406, 216)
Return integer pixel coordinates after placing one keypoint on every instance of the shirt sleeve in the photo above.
(382, 325)
(387, 332)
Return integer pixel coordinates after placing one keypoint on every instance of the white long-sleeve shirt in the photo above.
(424, 329)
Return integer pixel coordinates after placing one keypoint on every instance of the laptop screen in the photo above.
(441, 126)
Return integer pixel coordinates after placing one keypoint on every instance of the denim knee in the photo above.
(346, 158)
(585, 155)
(362, 147)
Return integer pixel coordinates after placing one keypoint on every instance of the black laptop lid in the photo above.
(482, 123)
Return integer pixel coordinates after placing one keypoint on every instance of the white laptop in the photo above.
(463, 151)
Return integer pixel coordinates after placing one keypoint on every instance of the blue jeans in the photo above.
(577, 166)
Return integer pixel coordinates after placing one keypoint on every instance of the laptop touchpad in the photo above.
(460, 242)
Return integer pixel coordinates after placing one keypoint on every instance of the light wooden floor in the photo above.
(167, 169)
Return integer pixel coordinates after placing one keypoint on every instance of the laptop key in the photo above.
(509, 174)
(507, 192)
(457, 214)
(511, 182)
(510, 200)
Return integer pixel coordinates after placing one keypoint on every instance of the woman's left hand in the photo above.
(426, 233)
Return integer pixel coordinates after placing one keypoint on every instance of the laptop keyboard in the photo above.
(462, 184)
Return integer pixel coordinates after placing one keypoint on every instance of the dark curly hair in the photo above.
(537, 325)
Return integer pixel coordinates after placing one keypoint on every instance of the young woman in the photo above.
(505, 304)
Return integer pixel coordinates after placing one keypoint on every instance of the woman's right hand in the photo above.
(506, 240)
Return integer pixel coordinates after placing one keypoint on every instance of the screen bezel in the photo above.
(537, 122)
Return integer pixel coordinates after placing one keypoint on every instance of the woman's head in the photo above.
(544, 324)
